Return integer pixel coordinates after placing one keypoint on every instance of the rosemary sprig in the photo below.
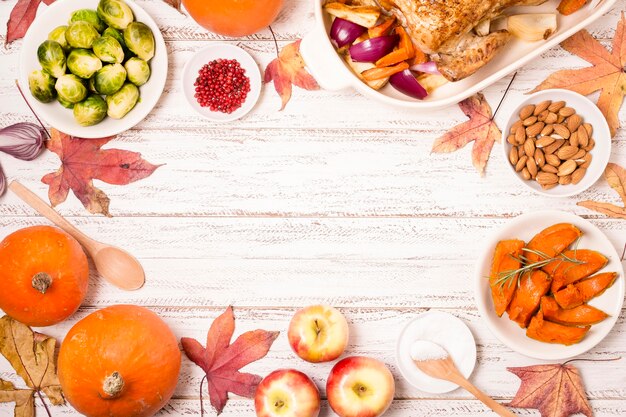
(506, 277)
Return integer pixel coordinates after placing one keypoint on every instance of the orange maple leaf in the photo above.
(480, 128)
(82, 161)
(607, 73)
(289, 69)
(555, 390)
(616, 177)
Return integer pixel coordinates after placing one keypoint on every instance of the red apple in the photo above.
(360, 387)
(287, 393)
(318, 333)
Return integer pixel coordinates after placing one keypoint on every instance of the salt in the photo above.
(424, 350)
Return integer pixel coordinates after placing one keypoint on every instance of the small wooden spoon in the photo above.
(437, 363)
(114, 265)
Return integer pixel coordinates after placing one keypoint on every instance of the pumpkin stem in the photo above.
(41, 282)
(113, 384)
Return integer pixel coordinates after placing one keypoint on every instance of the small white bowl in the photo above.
(223, 51)
(601, 134)
(58, 13)
(507, 331)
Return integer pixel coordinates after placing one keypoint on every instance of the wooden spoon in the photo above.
(437, 363)
(114, 265)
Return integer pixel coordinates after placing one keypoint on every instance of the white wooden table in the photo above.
(335, 200)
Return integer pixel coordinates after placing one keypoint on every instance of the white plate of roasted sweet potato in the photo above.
(550, 285)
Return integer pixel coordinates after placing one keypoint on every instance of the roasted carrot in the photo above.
(383, 28)
(392, 58)
(419, 58)
(570, 6)
(405, 43)
(378, 73)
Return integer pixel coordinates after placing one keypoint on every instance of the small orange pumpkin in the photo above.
(121, 361)
(44, 275)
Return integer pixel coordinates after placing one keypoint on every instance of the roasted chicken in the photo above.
(443, 29)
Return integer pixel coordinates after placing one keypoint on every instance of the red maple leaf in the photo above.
(555, 390)
(480, 128)
(221, 360)
(82, 161)
(607, 73)
(21, 17)
(288, 69)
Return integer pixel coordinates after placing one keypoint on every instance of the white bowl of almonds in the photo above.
(557, 143)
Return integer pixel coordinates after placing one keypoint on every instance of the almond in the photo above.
(544, 141)
(533, 130)
(587, 159)
(590, 145)
(579, 155)
(541, 107)
(551, 118)
(548, 186)
(520, 151)
(526, 174)
(566, 152)
(583, 136)
(562, 131)
(554, 146)
(578, 175)
(566, 179)
(529, 121)
(532, 167)
(540, 158)
(560, 119)
(547, 130)
(567, 168)
(549, 168)
(542, 116)
(513, 157)
(588, 128)
(566, 111)
(515, 125)
(556, 106)
(520, 135)
(553, 160)
(573, 139)
(574, 122)
(529, 147)
(511, 139)
(526, 111)
(521, 163)
(546, 178)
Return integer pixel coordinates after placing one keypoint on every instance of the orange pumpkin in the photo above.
(121, 361)
(233, 17)
(44, 275)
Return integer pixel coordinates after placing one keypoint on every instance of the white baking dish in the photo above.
(332, 73)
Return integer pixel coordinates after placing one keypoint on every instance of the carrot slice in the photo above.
(526, 299)
(552, 240)
(582, 315)
(505, 258)
(419, 58)
(583, 291)
(383, 28)
(564, 272)
(378, 73)
(392, 58)
(545, 331)
(567, 7)
(406, 43)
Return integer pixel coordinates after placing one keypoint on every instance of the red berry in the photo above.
(222, 85)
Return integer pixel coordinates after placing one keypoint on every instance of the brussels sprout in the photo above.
(41, 85)
(108, 49)
(89, 16)
(81, 34)
(140, 40)
(70, 88)
(115, 13)
(137, 71)
(58, 35)
(123, 101)
(64, 103)
(110, 78)
(91, 84)
(114, 33)
(52, 58)
(90, 111)
(83, 62)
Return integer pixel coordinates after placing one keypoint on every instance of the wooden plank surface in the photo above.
(335, 200)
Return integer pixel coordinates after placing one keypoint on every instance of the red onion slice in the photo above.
(22, 140)
(429, 67)
(406, 83)
(344, 32)
(371, 50)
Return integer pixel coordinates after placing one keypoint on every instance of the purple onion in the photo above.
(3, 181)
(23, 141)
(406, 83)
(371, 50)
(344, 32)
(429, 67)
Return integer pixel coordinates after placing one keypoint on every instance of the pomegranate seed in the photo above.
(222, 85)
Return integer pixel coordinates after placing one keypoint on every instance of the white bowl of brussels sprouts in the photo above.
(93, 68)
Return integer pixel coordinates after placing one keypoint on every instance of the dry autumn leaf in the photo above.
(555, 390)
(220, 360)
(175, 4)
(480, 128)
(82, 161)
(287, 70)
(616, 177)
(21, 17)
(607, 73)
(32, 356)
